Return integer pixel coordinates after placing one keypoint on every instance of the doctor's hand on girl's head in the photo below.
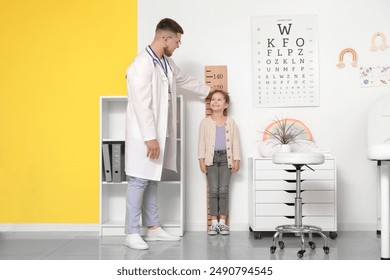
(153, 149)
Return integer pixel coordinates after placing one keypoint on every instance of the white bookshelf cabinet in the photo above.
(113, 195)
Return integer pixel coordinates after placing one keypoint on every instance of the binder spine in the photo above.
(107, 162)
(117, 163)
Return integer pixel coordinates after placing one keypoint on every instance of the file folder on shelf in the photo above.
(107, 162)
(124, 178)
(117, 163)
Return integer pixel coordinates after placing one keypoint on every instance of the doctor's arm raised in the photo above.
(188, 82)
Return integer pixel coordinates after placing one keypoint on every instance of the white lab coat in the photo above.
(147, 114)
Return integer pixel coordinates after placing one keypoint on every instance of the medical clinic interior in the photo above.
(309, 89)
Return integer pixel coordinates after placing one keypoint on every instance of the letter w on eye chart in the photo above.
(285, 61)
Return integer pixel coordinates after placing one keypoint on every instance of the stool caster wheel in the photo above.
(281, 244)
(312, 245)
(272, 249)
(326, 250)
(300, 253)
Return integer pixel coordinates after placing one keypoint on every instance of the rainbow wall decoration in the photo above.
(341, 63)
(296, 124)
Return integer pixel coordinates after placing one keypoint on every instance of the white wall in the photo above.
(218, 32)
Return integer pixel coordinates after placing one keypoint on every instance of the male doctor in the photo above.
(152, 80)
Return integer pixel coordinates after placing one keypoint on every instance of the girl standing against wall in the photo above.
(219, 156)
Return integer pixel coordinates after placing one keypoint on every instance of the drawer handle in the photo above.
(292, 217)
(293, 191)
(291, 204)
(293, 181)
(293, 170)
(290, 170)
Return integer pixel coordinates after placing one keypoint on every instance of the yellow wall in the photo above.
(56, 59)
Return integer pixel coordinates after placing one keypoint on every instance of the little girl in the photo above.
(219, 156)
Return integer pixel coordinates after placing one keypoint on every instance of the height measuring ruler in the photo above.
(216, 78)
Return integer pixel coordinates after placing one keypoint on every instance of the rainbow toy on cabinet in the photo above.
(296, 125)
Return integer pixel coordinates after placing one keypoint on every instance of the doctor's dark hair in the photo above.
(225, 96)
(168, 24)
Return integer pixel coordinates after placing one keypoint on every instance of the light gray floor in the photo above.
(348, 245)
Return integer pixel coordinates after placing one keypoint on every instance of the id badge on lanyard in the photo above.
(164, 64)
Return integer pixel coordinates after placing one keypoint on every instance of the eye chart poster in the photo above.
(285, 61)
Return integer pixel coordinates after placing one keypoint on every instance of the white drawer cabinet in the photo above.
(272, 195)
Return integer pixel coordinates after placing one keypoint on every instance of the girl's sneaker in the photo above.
(224, 229)
(214, 229)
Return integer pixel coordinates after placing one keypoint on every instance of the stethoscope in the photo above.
(163, 63)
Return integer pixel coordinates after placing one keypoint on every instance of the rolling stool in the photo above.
(298, 160)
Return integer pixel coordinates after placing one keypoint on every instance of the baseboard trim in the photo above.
(203, 227)
(188, 227)
(49, 227)
(245, 227)
(357, 227)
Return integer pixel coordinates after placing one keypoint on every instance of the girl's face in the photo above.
(218, 102)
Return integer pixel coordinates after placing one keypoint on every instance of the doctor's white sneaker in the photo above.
(159, 234)
(135, 241)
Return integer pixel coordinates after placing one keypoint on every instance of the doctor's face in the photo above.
(173, 42)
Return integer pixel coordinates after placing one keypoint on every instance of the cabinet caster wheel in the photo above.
(281, 244)
(272, 249)
(333, 235)
(312, 245)
(257, 235)
(326, 250)
(300, 253)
